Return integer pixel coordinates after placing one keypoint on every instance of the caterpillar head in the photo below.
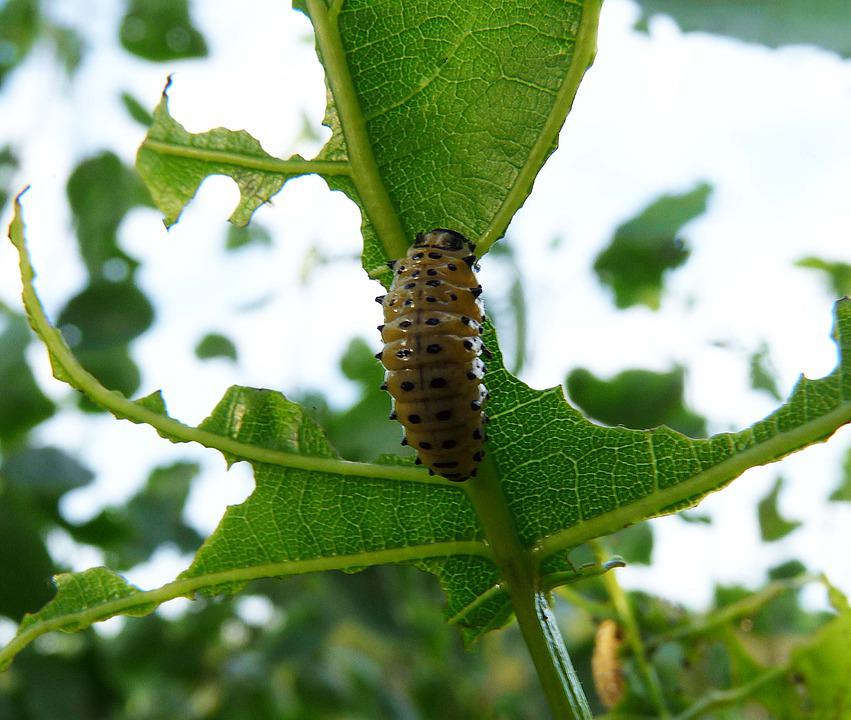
(443, 239)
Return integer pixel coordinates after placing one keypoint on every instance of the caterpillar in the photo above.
(431, 333)
(606, 663)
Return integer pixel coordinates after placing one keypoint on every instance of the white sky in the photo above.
(771, 129)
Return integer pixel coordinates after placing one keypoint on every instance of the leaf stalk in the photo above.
(537, 624)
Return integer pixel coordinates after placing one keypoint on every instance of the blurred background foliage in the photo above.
(372, 644)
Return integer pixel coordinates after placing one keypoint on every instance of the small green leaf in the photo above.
(67, 43)
(634, 544)
(772, 525)
(154, 402)
(46, 471)
(214, 345)
(161, 30)
(636, 399)
(837, 273)
(361, 432)
(816, 686)
(843, 492)
(646, 247)
(763, 376)
(100, 322)
(136, 110)
(151, 518)
(8, 165)
(768, 22)
(19, 21)
(25, 563)
(101, 191)
(240, 237)
(22, 404)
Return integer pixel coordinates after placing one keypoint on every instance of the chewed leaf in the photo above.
(174, 162)
(447, 116)
(324, 517)
(81, 599)
(564, 479)
(567, 480)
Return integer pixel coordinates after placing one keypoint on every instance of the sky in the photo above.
(656, 114)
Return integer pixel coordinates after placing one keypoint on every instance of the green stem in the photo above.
(537, 625)
(365, 173)
(746, 606)
(627, 619)
(721, 698)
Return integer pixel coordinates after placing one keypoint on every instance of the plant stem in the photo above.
(720, 698)
(537, 625)
(633, 636)
(746, 606)
(365, 173)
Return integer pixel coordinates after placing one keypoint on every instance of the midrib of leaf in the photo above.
(365, 173)
(765, 452)
(271, 165)
(585, 49)
(76, 376)
(187, 587)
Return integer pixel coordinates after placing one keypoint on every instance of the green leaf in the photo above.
(136, 110)
(768, 22)
(772, 525)
(596, 477)
(816, 684)
(101, 321)
(161, 30)
(22, 404)
(634, 544)
(843, 492)
(214, 345)
(646, 247)
(395, 520)
(19, 22)
(151, 518)
(361, 432)
(763, 376)
(101, 191)
(173, 163)
(491, 87)
(557, 478)
(636, 399)
(68, 45)
(46, 471)
(25, 563)
(838, 273)
(240, 237)
(8, 165)
(81, 599)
